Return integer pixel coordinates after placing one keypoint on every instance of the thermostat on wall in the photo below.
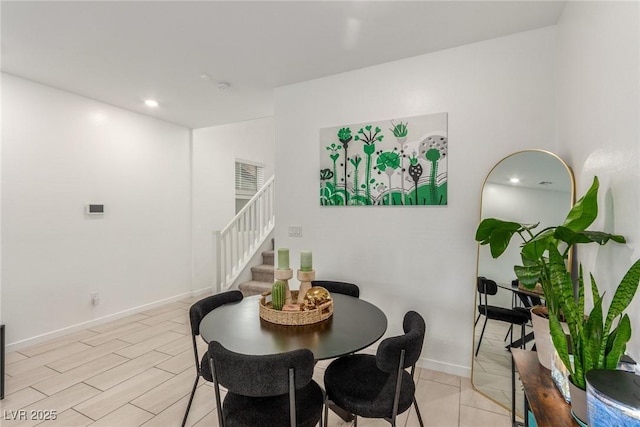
(94, 209)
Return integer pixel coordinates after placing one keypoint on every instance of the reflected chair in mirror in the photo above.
(526, 302)
(267, 390)
(488, 287)
(338, 287)
(196, 313)
(378, 386)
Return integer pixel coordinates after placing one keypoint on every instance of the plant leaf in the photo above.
(585, 210)
(497, 234)
(594, 287)
(560, 341)
(573, 237)
(535, 248)
(619, 337)
(562, 287)
(488, 225)
(624, 294)
(593, 339)
(529, 276)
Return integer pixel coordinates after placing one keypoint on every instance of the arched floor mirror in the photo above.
(527, 187)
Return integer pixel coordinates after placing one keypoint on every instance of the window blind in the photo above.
(249, 178)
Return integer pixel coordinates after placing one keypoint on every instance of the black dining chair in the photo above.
(526, 302)
(266, 391)
(196, 313)
(378, 386)
(338, 287)
(488, 287)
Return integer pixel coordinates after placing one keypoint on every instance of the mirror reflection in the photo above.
(526, 187)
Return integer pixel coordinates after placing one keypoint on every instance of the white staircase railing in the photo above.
(236, 244)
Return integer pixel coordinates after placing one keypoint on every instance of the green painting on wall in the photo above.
(393, 162)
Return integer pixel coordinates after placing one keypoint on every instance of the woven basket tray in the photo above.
(308, 317)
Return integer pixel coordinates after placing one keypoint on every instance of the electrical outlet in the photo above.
(95, 298)
(295, 231)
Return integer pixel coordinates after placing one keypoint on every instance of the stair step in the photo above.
(268, 257)
(254, 287)
(263, 273)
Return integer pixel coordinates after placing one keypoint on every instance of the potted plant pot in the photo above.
(544, 344)
(578, 402)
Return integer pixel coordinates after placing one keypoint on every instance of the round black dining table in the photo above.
(354, 325)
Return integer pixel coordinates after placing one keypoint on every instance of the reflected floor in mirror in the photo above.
(492, 367)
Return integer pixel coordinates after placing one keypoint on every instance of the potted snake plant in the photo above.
(535, 253)
(597, 340)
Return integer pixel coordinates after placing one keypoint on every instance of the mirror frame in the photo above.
(570, 259)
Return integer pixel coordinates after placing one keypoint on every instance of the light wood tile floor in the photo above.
(492, 366)
(138, 371)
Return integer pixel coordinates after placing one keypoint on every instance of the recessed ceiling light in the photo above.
(151, 103)
(514, 180)
(224, 86)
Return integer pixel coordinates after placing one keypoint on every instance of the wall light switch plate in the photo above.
(295, 231)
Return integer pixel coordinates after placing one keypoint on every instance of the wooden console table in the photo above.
(541, 395)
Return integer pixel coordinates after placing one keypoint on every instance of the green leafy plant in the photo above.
(593, 340)
(536, 246)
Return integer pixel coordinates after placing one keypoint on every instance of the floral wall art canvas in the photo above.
(401, 161)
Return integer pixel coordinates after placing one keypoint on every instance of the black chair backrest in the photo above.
(487, 286)
(388, 354)
(260, 376)
(338, 287)
(206, 305)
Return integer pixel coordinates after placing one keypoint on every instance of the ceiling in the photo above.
(538, 170)
(123, 52)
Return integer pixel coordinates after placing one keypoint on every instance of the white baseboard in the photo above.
(448, 368)
(434, 365)
(201, 291)
(14, 346)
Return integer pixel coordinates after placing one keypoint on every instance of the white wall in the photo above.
(215, 150)
(500, 96)
(61, 151)
(598, 128)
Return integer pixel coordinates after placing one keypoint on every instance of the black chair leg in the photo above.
(193, 393)
(415, 404)
(508, 332)
(481, 335)
(326, 413)
(477, 318)
(511, 339)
